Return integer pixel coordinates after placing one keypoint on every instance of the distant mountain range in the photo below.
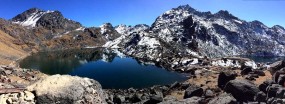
(179, 32)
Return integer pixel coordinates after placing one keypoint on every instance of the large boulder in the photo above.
(193, 91)
(67, 89)
(272, 90)
(276, 66)
(264, 85)
(246, 70)
(260, 97)
(225, 77)
(224, 98)
(276, 75)
(281, 80)
(242, 90)
(276, 94)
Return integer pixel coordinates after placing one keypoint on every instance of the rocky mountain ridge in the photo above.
(216, 35)
(186, 30)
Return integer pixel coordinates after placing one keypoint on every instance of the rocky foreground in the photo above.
(213, 84)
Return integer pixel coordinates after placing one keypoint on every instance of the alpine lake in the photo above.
(112, 69)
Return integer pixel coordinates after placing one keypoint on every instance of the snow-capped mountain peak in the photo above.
(30, 17)
(122, 29)
(106, 27)
(52, 20)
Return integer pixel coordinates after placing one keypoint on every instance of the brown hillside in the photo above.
(9, 51)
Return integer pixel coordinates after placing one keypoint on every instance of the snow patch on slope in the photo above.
(228, 63)
(80, 29)
(151, 42)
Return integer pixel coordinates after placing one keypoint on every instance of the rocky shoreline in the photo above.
(208, 83)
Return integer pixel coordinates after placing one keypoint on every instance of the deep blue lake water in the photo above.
(103, 65)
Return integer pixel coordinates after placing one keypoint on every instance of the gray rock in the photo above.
(223, 99)
(209, 93)
(135, 98)
(242, 90)
(280, 92)
(67, 89)
(276, 66)
(118, 99)
(154, 100)
(185, 85)
(259, 72)
(246, 70)
(8, 72)
(169, 98)
(281, 80)
(193, 91)
(272, 90)
(276, 75)
(260, 97)
(225, 77)
(264, 85)
(174, 85)
(131, 90)
(192, 100)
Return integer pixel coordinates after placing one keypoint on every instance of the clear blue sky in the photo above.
(131, 12)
